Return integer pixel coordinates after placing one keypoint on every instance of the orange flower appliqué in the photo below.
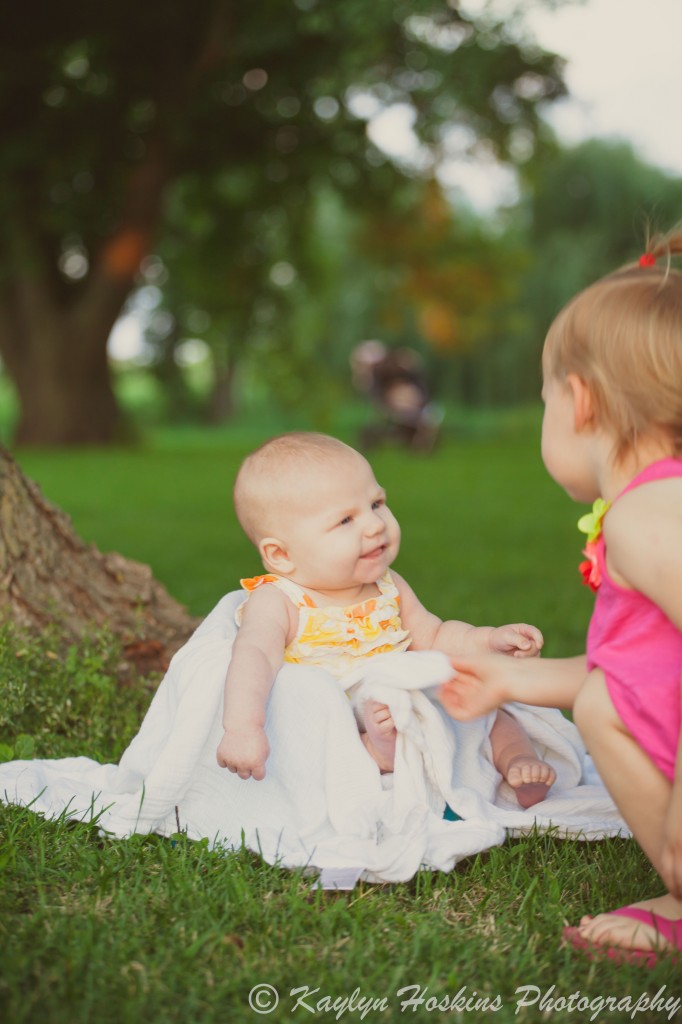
(589, 569)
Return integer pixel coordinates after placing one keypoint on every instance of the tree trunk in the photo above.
(65, 389)
(221, 406)
(49, 576)
(53, 336)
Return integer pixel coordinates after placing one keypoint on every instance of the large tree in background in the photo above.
(104, 107)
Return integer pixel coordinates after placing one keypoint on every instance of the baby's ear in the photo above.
(275, 556)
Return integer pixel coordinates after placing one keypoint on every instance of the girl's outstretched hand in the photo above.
(476, 688)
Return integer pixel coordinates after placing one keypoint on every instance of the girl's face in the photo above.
(565, 449)
(340, 533)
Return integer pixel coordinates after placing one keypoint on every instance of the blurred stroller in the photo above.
(395, 381)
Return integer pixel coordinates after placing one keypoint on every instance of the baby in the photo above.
(319, 519)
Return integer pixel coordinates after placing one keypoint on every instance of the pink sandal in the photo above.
(669, 930)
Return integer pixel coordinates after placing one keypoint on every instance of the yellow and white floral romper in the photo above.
(333, 637)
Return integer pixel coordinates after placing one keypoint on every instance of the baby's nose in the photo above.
(375, 524)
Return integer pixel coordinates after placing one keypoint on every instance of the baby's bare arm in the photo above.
(427, 630)
(461, 639)
(257, 655)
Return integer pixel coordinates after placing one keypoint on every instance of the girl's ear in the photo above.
(583, 407)
(275, 556)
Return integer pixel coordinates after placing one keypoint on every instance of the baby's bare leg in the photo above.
(517, 761)
(380, 734)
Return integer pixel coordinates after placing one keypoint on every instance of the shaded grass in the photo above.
(60, 698)
(161, 930)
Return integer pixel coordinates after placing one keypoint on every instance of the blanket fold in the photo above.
(323, 802)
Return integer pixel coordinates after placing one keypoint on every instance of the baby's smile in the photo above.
(375, 552)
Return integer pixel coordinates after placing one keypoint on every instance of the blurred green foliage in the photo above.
(213, 172)
(209, 131)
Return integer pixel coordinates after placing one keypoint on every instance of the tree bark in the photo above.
(53, 338)
(65, 389)
(48, 575)
(221, 406)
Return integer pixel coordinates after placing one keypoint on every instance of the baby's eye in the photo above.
(378, 503)
(345, 520)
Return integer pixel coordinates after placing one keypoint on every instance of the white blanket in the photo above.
(323, 803)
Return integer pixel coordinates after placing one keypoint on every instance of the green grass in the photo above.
(160, 930)
(487, 536)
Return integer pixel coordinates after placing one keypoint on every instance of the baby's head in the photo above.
(623, 337)
(273, 481)
(290, 493)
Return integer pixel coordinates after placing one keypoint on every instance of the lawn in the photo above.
(158, 930)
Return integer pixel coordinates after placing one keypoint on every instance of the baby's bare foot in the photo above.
(380, 735)
(530, 778)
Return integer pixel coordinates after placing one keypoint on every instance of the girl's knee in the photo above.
(592, 708)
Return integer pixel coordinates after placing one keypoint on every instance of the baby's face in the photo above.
(337, 529)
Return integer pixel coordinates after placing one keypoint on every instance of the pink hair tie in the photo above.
(647, 260)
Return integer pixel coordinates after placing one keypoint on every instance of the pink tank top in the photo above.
(639, 650)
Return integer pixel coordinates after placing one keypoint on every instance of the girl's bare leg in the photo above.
(642, 794)
(515, 758)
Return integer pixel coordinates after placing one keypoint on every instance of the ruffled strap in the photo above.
(251, 583)
(293, 591)
(387, 587)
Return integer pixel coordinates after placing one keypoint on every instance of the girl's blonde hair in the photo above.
(623, 337)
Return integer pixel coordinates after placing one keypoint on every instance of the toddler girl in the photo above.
(612, 431)
(326, 537)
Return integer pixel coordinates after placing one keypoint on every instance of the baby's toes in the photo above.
(520, 773)
(534, 772)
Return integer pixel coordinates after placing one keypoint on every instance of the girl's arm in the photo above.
(257, 655)
(483, 683)
(643, 533)
(460, 639)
